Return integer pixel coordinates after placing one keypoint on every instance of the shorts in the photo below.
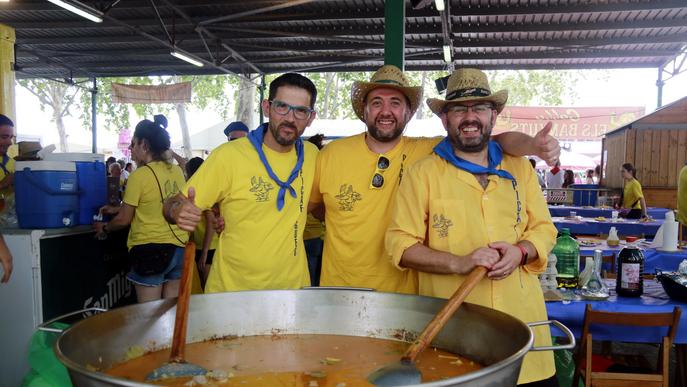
(172, 272)
(208, 261)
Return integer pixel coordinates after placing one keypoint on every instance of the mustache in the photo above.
(288, 125)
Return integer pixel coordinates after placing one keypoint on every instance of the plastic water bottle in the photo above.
(568, 265)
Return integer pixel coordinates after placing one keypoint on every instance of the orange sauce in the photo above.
(297, 360)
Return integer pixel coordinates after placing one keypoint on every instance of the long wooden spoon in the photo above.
(405, 372)
(177, 367)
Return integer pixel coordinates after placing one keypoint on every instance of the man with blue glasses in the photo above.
(262, 183)
(7, 163)
(357, 178)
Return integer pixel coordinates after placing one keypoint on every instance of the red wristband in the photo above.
(523, 251)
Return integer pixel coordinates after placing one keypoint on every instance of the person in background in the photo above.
(682, 198)
(110, 160)
(468, 204)
(204, 235)
(235, 130)
(568, 178)
(540, 179)
(633, 197)
(156, 248)
(129, 168)
(125, 173)
(7, 137)
(589, 178)
(357, 178)
(5, 261)
(262, 184)
(314, 232)
(597, 174)
(554, 177)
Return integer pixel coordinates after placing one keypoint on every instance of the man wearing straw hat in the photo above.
(468, 204)
(357, 177)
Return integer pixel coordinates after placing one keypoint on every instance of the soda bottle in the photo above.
(629, 282)
(568, 265)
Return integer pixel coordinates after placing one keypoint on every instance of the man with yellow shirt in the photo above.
(357, 178)
(6, 163)
(262, 185)
(468, 205)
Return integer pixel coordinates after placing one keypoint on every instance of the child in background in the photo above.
(204, 236)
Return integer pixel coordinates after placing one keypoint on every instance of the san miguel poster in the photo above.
(569, 123)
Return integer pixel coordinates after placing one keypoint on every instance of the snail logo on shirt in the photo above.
(261, 189)
(441, 224)
(347, 197)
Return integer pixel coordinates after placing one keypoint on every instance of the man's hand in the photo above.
(7, 182)
(5, 261)
(546, 147)
(509, 262)
(484, 256)
(218, 220)
(182, 211)
(109, 209)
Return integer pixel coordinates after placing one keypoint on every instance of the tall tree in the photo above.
(59, 97)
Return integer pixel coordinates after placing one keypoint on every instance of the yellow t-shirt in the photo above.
(10, 168)
(314, 228)
(199, 236)
(446, 209)
(357, 214)
(682, 196)
(260, 247)
(143, 192)
(632, 193)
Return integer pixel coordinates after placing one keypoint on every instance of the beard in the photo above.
(470, 145)
(385, 137)
(283, 140)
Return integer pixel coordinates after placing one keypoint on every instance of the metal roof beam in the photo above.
(526, 7)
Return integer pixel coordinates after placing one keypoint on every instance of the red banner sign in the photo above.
(569, 123)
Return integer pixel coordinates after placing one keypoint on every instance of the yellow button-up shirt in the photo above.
(447, 209)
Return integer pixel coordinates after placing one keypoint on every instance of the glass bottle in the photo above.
(594, 287)
(629, 282)
(587, 272)
(568, 265)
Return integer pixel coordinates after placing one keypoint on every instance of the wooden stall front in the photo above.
(656, 145)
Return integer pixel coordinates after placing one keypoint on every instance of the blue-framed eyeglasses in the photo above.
(283, 108)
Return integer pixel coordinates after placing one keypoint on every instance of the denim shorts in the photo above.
(172, 272)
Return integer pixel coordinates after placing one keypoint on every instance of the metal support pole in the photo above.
(262, 98)
(659, 85)
(394, 33)
(94, 120)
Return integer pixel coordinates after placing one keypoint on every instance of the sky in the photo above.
(624, 87)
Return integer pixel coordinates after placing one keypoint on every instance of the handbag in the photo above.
(151, 258)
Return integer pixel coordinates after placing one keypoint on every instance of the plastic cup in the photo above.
(573, 213)
(614, 215)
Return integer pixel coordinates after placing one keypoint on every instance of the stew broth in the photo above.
(297, 360)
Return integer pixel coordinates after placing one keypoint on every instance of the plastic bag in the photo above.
(46, 370)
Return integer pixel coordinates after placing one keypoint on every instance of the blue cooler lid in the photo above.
(42, 165)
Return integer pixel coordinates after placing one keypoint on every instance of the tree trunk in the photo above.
(246, 108)
(57, 92)
(329, 77)
(181, 111)
(420, 110)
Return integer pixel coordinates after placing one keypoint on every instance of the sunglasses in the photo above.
(378, 178)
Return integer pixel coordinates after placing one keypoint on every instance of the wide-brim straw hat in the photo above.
(390, 77)
(467, 84)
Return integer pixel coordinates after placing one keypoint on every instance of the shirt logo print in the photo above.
(347, 197)
(261, 189)
(441, 224)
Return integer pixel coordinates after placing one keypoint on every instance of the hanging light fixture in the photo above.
(439, 4)
(447, 53)
(80, 9)
(186, 58)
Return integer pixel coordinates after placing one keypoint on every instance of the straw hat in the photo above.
(468, 84)
(28, 150)
(387, 76)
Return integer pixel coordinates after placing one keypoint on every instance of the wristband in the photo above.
(523, 260)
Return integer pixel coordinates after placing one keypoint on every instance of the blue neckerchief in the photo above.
(3, 165)
(256, 138)
(444, 149)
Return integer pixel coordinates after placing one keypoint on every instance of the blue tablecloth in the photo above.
(593, 212)
(654, 300)
(590, 226)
